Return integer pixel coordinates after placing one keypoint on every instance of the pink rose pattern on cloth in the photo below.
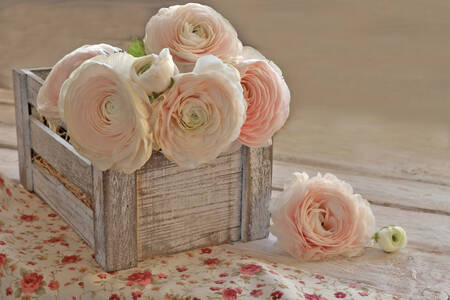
(47, 99)
(41, 257)
(320, 217)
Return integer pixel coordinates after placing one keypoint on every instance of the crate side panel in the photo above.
(62, 156)
(181, 209)
(74, 212)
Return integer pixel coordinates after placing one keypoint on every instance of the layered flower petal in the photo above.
(47, 99)
(154, 72)
(191, 31)
(202, 114)
(107, 114)
(320, 217)
(268, 98)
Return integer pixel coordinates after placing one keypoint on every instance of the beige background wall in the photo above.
(372, 74)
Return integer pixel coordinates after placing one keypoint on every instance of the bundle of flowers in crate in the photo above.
(174, 135)
(190, 89)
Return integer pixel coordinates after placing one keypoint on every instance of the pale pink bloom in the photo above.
(107, 114)
(268, 98)
(320, 217)
(191, 31)
(202, 114)
(47, 98)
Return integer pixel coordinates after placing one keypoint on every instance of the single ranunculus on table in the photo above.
(320, 217)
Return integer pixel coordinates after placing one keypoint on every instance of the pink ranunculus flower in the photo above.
(47, 98)
(320, 217)
(267, 96)
(202, 114)
(191, 31)
(108, 116)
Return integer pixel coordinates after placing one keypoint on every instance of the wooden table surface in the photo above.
(408, 183)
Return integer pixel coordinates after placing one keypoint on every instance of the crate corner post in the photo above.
(23, 128)
(256, 192)
(115, 221)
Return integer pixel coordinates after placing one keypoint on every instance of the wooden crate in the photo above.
(159, 209)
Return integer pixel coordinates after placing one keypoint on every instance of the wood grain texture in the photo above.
(115, 220)
(256, 192)
(62, 156)
(73, 211)
(9, 163)
(7, 114)
(7, 96)
(367, 143)
(8, 136)
(181, 209)
(23, 129)
(393, 192)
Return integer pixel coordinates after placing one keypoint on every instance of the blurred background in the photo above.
(370, 80)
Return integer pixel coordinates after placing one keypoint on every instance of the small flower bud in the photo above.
(391, 238)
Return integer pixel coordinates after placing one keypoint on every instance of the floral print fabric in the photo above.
(41, 257)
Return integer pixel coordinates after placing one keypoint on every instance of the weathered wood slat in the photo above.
(181, 209)
(115, 220)
(367, 143)
(9, 163)
(23, 129)
(419, 271)
(388, 192)
(72, 210)
(62, 156)
(34, 83)
(257, 180)
(7, 114)
(6, 96)
(8, 136)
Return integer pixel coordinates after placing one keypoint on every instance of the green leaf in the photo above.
(136, 48)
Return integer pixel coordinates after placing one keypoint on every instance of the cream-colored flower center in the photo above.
(193, 115)
(194, 35)
(199, 31)
(109, 108)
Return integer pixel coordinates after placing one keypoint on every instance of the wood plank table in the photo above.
(407, 184)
